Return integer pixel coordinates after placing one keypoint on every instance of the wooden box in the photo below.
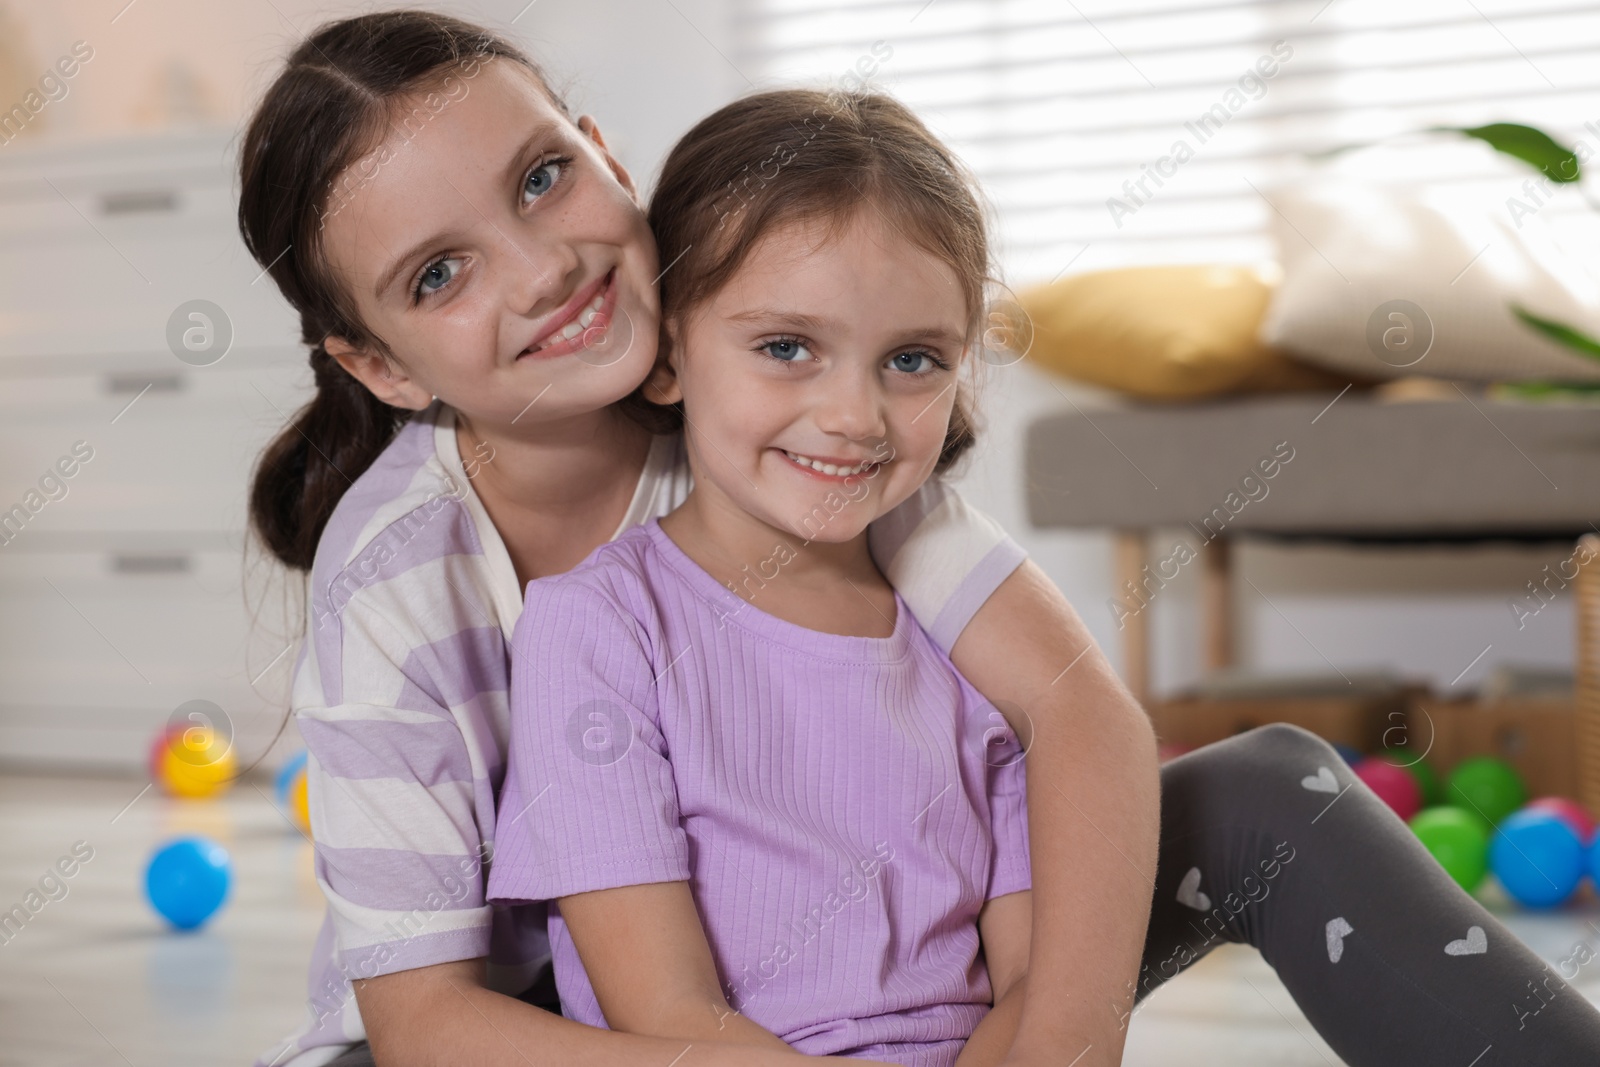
(1359, 721)
(1537, 735)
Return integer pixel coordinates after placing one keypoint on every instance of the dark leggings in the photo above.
(1269, 839)
(1389, 959)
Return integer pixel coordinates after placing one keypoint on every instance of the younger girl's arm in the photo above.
(648, 960)
(1005, 927)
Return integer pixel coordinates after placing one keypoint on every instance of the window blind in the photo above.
(1064, 108)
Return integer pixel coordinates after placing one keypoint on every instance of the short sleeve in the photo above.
(944, 557)
(589, 800)
(1011, 870)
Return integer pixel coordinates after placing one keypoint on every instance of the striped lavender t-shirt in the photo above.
(400, 696)
(842, 806)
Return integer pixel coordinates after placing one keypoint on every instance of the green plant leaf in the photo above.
(1560, 333)
(1534, 147)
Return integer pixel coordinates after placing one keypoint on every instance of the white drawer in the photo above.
(178, 458)
(97, 649)
(116, 235)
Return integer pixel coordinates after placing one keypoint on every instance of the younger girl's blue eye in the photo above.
(437, 275)
(542, 179)
(787, 350)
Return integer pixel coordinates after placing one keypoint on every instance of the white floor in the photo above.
(94, 978)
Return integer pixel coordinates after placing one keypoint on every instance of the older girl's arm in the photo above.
(1094, 793)
(444, 1016)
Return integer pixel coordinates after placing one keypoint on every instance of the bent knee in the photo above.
(1274, 744)
(1251, 771)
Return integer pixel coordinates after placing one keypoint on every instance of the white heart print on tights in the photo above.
(1337, 929)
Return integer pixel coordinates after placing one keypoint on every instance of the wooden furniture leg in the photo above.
(1587, 609)
(1130, 553)
(1216, 598)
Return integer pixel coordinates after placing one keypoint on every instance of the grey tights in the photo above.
(1269, 839)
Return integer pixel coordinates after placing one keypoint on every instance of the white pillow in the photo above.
(1377, 280)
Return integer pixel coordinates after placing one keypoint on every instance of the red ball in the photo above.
(159, 744)
(1568, 811)
(1395, 786)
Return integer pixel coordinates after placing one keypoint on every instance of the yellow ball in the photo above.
(198, 763)
(298, 803)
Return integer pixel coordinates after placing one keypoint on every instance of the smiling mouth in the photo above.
(586, 327)
(831, 470)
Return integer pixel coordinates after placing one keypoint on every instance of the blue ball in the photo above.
(1537, 858)
(187, 880)
(1351, 756)
(285, 777)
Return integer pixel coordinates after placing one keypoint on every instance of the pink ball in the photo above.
(1568, 811)
(1395, 786)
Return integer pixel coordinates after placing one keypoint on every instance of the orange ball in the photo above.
(197, 763)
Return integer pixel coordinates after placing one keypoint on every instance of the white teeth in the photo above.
(828, 468)
(584, 320)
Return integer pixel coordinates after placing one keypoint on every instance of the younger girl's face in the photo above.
(819, 382)
(498, 249)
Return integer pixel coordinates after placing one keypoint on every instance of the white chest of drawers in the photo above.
(122, 586)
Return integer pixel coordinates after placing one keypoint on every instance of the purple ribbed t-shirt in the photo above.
(841, 806)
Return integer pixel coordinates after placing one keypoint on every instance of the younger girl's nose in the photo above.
(851, 405)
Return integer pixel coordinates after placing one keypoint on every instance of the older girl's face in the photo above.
(499, 251)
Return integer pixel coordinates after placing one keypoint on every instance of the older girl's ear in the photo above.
(588, 127)
(382, 377)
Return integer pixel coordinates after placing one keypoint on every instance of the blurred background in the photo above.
(1212, 212)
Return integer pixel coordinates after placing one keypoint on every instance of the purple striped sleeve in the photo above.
(974, 591)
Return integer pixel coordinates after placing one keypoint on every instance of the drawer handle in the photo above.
(122, 384)
(139, 202)
(144, 563)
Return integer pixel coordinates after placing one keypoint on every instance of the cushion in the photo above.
(1388, 278)
(1164, 333)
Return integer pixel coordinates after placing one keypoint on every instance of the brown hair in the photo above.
(795, 155)
(334, 101)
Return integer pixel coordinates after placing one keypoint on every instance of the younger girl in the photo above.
(765, 807)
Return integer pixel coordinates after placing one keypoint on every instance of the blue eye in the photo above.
(915, 362)
(786, 350)
(436, 275)
(542, 179)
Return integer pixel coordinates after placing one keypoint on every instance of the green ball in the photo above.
(1427, 780)
(1486, 787)
(1457, 839)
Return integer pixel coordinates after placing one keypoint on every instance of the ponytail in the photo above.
(304, 472)
(330, 105)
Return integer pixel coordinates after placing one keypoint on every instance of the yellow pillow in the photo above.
(1164, 333)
